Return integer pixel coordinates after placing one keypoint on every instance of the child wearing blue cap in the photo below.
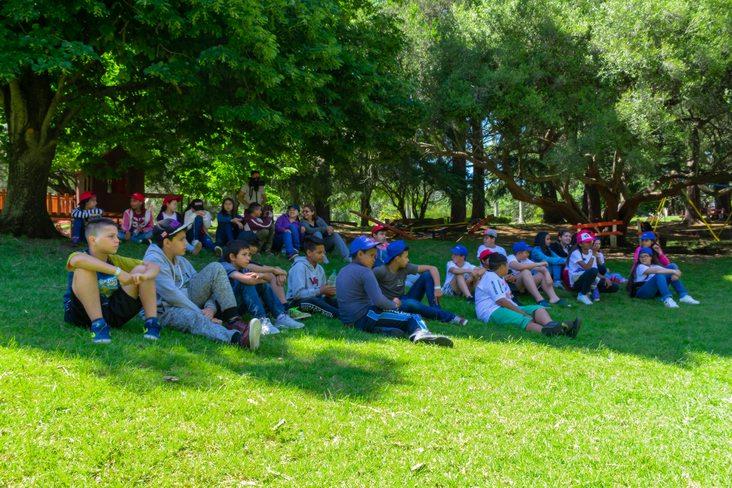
(362, 305)
(649, 279)
(530, 275)
(494, 304)
(461, 276)
(649, 239)
(392, 277)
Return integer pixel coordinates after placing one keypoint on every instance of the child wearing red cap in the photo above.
(169, 210)
(86, 210)
(378, 232)
(137, 221)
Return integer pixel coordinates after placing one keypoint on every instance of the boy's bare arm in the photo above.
(506, 303)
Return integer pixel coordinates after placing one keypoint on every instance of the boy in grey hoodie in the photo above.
(187, 300)
(307, 288)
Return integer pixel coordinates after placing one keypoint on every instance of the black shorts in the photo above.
(119, 309)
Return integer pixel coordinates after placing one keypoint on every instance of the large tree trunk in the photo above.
(551, 215)
(28, 105)
(459, 191)
(690, 215)
(323, 191)
(478, 184)
(365, 206)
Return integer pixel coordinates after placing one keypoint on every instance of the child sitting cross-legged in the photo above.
(494, 304)
(307, 288)
(461, 276)
(188, 300)
(531, 275)
(137, 221)
(252, 290)
(107, 290)
(650, 279)
(362, 305)
(392, 280)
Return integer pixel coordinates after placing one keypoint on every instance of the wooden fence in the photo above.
(56, 205)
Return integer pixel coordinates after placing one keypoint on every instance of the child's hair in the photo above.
(540, 242)
(95, 224)
(234, 247)
(631, 285)
(193, 202)
(252, 240)
(496, 260)
(311, 207)
(252, 207)
(233, 208)
(312, 242)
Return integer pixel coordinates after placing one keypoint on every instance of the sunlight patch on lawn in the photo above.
(728, 277)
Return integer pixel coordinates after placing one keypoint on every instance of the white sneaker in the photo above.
(670, 303)
(268, 328)
(689, 300)
(458, 320)
(284, 321)
(584, 299)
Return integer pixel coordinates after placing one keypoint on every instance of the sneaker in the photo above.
(100, 333)
(584, 299)
(552, 329)
(237, 324)
(427, 337)
(544, 304)
(596, 295)
(470, 299)
(197, 246)
(152, 332)
(561, 303)
(268, 328)
(292, 256)
(458, 320)
(284, 321)
(558, 285)
(298, 314)
(670, 303)
(571, 329)
(689, 300)
(311, 307)
(250, 338)
(219, 251)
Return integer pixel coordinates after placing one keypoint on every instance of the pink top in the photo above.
(663, 260)
(137, 223)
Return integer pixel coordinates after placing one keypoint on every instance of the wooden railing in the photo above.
(56, 205)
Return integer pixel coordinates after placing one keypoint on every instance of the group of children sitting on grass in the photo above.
(378, 291)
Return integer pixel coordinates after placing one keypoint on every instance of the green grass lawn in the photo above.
(642, 397)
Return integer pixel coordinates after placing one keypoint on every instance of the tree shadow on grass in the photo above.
(330, 370)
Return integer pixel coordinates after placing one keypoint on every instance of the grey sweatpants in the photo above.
(209, 286)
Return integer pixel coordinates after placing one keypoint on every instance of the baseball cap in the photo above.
(585, 236)
(197, 204)
(377, 228)
(521, 246)
(138, 196)
(490, 232)
(485, 253)
(293, 205)
(645, 250)
(395, 249)
(459, 250)
(361, 243)
(648, 235)
(86, 196)
(167, 228)
(170, 198)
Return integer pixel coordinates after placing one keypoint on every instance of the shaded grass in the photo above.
(641, 398)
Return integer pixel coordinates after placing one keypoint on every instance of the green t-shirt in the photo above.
(392, 284)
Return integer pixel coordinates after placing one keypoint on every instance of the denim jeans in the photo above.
(77, 231)
(412, 301)
(556, 270)
(390, 323)
(257, 299)
(290, 240)
(198, 233)
(658, 284)
(142, 237)
(225, 233)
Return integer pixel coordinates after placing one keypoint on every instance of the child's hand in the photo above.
(126, 278)
(397, 302)
(127, 235)
(543, 264)
(329, 230)
(328, 290)
(209, 313)
(438, 294)
(280, 279)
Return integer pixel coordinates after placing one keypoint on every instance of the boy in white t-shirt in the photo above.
(494, 304)
(489, 242)
(530, 275)
(582, 267)
(461, 276)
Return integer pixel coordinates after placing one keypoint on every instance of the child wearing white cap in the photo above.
(489, 242)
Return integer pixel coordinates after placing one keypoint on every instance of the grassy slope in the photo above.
(642, 397)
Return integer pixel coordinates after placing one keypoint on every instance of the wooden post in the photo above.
(613, 237)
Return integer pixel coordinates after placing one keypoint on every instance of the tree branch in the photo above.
(52, 107)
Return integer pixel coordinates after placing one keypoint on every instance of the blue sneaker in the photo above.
(544, 304)
(152, 330)
(100, 332)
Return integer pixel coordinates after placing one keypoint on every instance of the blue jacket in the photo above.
(537, 255)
